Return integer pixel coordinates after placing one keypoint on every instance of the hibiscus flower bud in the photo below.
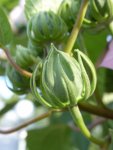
(64, 79)
(68, 10)
(97, 10)
(46, 27)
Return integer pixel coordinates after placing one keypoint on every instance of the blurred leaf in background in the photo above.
(95, 44)
(9, 5)
(6, 34)
(55, 137)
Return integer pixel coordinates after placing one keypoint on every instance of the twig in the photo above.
(27, 123)
(96, 110)
(45, 115)
(20, 70)
(90, 108)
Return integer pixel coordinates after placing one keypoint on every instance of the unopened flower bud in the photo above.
(64, 80)
(46, 27)
(25, 57)
(68, 10)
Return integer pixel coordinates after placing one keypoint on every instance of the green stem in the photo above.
(78, 119)
(77, 26)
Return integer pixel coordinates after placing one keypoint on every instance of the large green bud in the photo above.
(68, 10)
(46, 27)
(64, 80)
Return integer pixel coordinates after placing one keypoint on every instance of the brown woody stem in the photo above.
(18, 68)
(95, 110)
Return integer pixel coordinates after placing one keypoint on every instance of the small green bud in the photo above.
(64, 80)
(46, 27)
(18, 83)
(68, 11)
(36, 48)
(97, 9)
(25, 57)
(98, 16)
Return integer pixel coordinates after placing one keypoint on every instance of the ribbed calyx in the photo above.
(25, 57)
(64, 80)
(46, 27)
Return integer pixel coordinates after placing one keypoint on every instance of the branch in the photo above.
(20, 70)
(96, 110)
(27, 123)
(45, 115)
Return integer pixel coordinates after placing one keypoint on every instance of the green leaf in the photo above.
(80, 142)
(34, 6)
(6, 35)
(95, 43)
(56, 137)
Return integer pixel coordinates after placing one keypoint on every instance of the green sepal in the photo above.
(97, 9)
(87, 87)
(92, 70)
(34, 90)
